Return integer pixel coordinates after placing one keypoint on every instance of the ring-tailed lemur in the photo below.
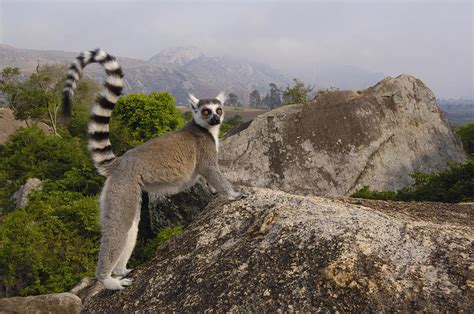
(167, 165)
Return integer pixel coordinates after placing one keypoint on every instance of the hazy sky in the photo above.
(428, 39)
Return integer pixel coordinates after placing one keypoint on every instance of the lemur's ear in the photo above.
(194, 101)
(221, 97)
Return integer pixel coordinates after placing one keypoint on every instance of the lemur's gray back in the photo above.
(98, 128)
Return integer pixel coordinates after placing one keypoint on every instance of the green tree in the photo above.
(39, 97)
(299, 93)
(255, 99)
(233, 100)
(275, 96)
(148, 116)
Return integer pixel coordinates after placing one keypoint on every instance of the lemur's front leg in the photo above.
(217, 180)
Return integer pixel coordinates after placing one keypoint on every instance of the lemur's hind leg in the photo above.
(120, 205)
(121, 267)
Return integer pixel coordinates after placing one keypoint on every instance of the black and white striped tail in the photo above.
(99, 141)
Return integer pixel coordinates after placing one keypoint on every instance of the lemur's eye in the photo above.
(205, 112)
(219, 111)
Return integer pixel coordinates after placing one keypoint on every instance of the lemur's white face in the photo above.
(208, 113)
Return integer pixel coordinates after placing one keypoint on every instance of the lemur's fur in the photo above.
(165, 165)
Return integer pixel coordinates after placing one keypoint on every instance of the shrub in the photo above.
(148, 116)
(455, 184)
(229, 124)
(31, 152)
(49, 245)
(466, 134)
(145, 250)
(365, 192)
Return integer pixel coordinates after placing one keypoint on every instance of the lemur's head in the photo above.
(208, 113)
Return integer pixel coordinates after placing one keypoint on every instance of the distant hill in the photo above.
(178, 70)
(459, 111)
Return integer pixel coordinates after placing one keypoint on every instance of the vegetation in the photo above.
(49, 245)
(229, 124)
(255, 100)
(466, 135)
(53, 242)
(148, 116)
(63, 163)
(456, 184)
(145, 249)
(299, 93)
(39, 97)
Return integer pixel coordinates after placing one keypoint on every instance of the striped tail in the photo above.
(99, 141)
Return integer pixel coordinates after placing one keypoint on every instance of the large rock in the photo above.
(58, 303)
(179, 209)
(275, 251)
(20, 197)
(344, 141)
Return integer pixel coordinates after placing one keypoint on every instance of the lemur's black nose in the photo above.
(215, 120)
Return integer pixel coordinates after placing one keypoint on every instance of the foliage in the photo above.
(187, 115)
(255, 100)
(39, 97)
(365, 192)
(466, 134)
(233, 100)
(273, 99)
(229, 124)
(148, 116)
(84, 98)
(49, 245)
(299, 93)
(145, 250)
(64, 163)
(456, 184)
(9, 84)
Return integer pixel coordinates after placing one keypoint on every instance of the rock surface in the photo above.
(20, 197)
(86, 289)
(274, 251)
(59, 303)
(344, 141)
(177, 210)
(8, 124)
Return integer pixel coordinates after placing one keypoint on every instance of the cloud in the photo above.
(433, 42)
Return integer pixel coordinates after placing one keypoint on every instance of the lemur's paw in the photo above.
(113, 283)
(121, 272)
(234, 196)
(126, 282)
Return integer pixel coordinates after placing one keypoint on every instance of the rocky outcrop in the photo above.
(179, 209)
(20, 197)
(58, 303)
(8, 124)
(275, 251)
(343, 141)
(86, 289)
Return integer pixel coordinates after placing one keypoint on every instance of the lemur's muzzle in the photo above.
(215, 120)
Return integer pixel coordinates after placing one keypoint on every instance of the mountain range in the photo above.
(177, 70)
(187, 69)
